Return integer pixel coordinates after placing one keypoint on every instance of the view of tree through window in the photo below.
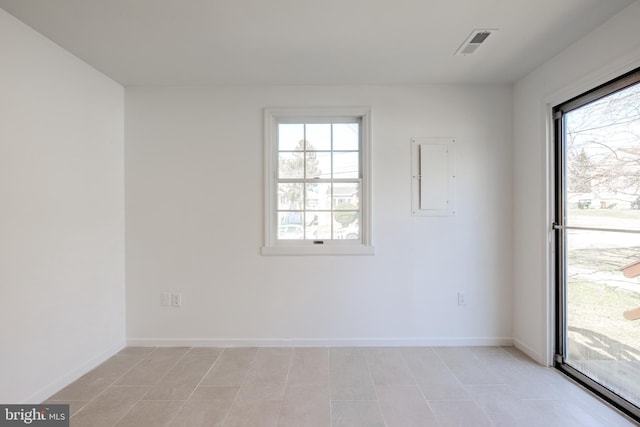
(603, 154)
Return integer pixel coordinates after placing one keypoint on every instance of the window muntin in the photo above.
(317, 171)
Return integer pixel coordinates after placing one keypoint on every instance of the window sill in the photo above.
(318, 250)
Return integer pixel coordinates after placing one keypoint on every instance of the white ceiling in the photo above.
(210, 42)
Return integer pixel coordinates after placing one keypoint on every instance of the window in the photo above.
(317, 182)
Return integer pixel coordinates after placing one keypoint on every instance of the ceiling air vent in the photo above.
(473, 42)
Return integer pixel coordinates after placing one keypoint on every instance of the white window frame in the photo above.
(274, 246)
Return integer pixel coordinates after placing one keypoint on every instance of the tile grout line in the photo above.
(166, 374)
(373, 383)
(150, 387)
(215, 362)
(375, 389)
(467, 386)
(286, 382)
(146, 386)
(113, 382)
(184, 402)
(473, 399)
(476, 356)
(286, 378)
(420, 388)
(483, 409)
(448, 368)
(242, 383)
(117, 379)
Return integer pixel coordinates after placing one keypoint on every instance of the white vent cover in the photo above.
(473, 42)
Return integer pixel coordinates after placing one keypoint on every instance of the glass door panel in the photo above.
(598, 240)
(603, 339)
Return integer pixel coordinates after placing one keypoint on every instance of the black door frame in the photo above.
(560, 231)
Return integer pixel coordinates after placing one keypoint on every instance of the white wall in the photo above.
(605, 53)
(194, 206)
(61, 215)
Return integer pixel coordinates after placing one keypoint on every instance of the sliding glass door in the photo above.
(597, 237)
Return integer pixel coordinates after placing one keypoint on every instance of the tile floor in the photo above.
(333, 387)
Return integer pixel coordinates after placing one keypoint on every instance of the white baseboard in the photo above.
(529, 352)
(64, 380)
(302, 342)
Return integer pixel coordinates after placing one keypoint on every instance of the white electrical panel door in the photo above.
(433, 176)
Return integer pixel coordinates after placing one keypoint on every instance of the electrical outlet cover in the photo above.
(165, 299)
(462, 298)
(176, 300)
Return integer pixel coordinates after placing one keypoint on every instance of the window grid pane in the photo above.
(328, 180)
